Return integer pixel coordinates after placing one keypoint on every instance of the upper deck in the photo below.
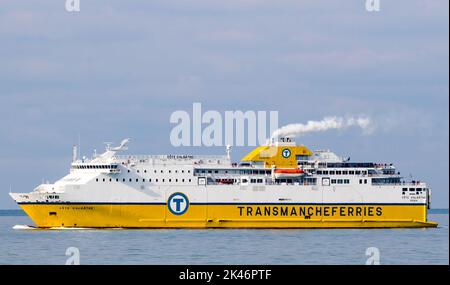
(280, 162)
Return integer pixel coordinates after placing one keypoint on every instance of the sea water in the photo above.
(20, 244)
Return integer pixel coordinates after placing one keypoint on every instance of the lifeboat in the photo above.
(288, 173)
(225, 181)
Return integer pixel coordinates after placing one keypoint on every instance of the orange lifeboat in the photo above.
(288, 173)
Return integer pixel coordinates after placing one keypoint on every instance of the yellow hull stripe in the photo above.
(228, 216)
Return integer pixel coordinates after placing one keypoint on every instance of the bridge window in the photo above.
(302, 157)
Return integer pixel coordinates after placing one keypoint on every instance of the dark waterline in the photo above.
(19, 212)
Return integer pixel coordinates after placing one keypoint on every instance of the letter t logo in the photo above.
(178, 201)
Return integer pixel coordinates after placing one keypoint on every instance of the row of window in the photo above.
(394, 180)
(347, 164)
(340, 181)
(412, 189)
(417, 191)
(114, 166)
(108, 166)
(241, 171)
(253, 180)
(308, 181)
(53, 197)
(143, 180)
(161, 171)
(341, 172)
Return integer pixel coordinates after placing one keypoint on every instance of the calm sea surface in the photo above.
(222, 246)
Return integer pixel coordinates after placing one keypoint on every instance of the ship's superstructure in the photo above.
(280, 185)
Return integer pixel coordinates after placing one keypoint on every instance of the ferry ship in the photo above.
(278, 185)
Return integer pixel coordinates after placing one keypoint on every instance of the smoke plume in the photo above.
(328, 123)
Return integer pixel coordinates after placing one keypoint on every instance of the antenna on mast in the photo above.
(74, 153)
(228, 150)
(79, 146)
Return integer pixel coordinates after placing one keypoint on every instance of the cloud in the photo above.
(119, 68)
(346, 59)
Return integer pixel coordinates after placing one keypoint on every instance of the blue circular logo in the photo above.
(286, 153)
(178, 203)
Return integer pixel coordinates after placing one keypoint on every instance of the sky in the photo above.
(119, 69)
